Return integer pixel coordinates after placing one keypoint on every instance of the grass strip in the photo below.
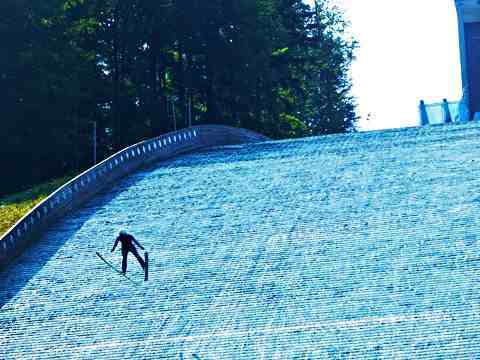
(13, 207)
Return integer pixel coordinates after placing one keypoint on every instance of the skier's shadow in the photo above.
(20, 271)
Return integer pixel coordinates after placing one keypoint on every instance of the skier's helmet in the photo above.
(122, 232)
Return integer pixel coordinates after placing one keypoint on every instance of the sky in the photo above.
(408, 51)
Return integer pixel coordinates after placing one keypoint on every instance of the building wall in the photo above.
(472, 47)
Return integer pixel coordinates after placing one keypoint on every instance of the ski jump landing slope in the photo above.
(362, 246)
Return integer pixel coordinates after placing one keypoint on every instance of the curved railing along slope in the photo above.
(90, 182)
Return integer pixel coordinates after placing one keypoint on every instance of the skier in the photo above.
(128, 241)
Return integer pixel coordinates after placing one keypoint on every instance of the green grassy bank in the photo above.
(13, 207)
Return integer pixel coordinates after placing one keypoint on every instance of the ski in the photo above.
(146, 266)
(115, 269)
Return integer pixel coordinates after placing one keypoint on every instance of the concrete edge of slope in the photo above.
(86, 185)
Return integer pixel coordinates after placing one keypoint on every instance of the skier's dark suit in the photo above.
(128, 241)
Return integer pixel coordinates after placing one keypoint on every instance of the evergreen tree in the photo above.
(140, 68)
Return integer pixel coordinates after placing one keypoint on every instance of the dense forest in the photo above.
(140, 68)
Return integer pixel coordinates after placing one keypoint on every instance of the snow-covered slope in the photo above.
(348, 246)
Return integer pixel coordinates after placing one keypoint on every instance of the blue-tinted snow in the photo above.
(349, 246)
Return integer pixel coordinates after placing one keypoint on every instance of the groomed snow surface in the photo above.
(361, 246)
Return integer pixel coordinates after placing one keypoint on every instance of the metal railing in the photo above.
(443, 112)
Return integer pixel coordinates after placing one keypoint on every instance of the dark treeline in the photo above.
(140, 68)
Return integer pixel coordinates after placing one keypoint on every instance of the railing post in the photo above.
(174, 117)
(423, 113)
(190, 110)
(94, 143)
(447, 116)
